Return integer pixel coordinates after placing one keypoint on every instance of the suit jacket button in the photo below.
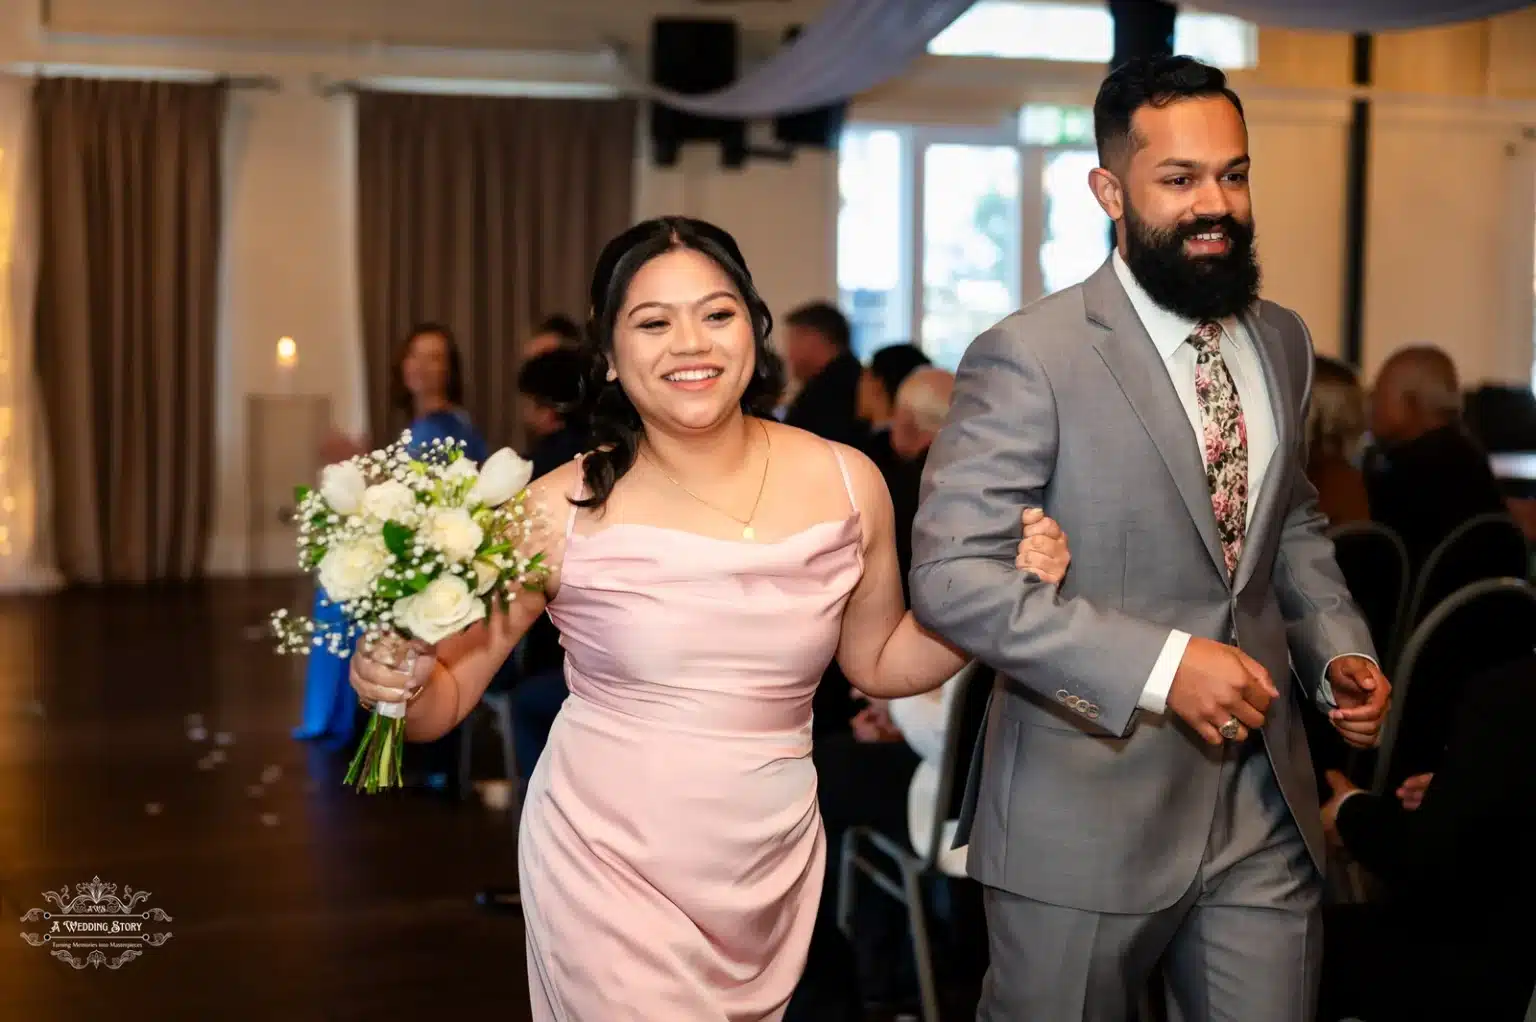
(1061, 695)
(1093, 712)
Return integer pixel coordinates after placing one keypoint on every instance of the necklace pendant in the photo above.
(748, 533)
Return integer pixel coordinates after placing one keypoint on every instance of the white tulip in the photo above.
(342, 486)
(453, 532)
(349, 570)
(444, 608)
(390, 501)
(503, 476)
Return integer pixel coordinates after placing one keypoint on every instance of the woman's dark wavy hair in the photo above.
(613, 423)
(400, 398)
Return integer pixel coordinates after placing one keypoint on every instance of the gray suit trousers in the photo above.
(1242, 945)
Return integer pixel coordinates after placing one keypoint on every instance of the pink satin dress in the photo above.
(671, 854)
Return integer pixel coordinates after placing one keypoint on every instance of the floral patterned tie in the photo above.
(1224, 436)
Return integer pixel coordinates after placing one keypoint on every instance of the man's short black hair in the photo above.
(561, 326)
(1156, 82)
(552, 379)
(826, 319)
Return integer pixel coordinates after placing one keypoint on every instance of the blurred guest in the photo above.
(921, 405)
(552, 332)
(818, 350)
(427, 384)
(1453, 850)
(887, 368)
(550, 386)
(1335, 432)
(819, 355)
(1427, 475)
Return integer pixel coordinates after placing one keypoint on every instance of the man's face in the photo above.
(806, 352)
(1181, 201)
(1394, 420)
(539, 419)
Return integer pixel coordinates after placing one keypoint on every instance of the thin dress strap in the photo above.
(842, 466)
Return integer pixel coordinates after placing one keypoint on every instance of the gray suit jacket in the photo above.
(1076, 797)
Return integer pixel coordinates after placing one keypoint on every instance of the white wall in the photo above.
(1299, 208)
(290, 269)
(1450, 239)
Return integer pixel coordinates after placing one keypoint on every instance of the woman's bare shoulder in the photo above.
(831, 459)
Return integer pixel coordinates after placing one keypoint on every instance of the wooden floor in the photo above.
(300, 900)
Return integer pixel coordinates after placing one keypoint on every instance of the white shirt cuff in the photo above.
(1154, 696)
(1325, 700)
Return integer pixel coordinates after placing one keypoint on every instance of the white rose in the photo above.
(390, 500)
(453, 532)
(342, 486)
(502, 477)
(461, 469)
(348, 571)
(445, 607)
(485, 577)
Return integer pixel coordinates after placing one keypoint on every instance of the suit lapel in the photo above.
(1132, 358)
(1272, 491)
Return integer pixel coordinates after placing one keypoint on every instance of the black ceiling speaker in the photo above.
(1143, 28)
(693, 56)
(819, 128)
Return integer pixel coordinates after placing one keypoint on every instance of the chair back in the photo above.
(1480, 627)
(1484, 547)
(1376, 568)
(962, 733)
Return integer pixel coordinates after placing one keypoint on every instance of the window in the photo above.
(873, 265)
(943, 232)
(1084, 32)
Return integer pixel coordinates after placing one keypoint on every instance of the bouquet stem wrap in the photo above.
(377, 763)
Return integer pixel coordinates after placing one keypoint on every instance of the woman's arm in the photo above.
(883, 651)
(458, 671)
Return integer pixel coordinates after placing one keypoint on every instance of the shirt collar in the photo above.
(1167, 329)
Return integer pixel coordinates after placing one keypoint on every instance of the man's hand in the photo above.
(873, 723)
(1341, 787)
(1362, 694)
(1043, 549)
(1411, 792)
(1215, 683)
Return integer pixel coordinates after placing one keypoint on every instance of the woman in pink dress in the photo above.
(710, 563)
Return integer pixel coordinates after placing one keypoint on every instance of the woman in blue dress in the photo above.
(427, 383)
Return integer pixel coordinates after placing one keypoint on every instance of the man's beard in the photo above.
(1195, 287)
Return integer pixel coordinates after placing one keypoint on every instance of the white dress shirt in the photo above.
(923, 720)
(1170, 335)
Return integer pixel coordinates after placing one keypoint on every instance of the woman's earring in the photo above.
(612, 374)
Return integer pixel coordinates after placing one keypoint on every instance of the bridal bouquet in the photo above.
(408, 545)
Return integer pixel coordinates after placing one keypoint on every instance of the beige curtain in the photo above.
(484, 214)
(127, 298)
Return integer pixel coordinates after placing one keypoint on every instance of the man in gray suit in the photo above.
(1143, 797)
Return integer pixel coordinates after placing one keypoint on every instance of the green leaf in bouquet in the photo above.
(299, 494)
(397, 538)
(535, 567)
(419, 581)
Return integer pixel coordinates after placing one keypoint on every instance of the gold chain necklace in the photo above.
(747, 532)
